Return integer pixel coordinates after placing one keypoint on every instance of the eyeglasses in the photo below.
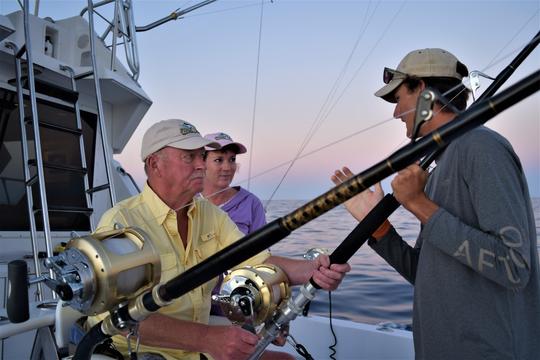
(187, 156)
(390, 74)
(190, 155)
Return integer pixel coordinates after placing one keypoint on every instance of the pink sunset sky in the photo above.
(207, 76)
(203, 69)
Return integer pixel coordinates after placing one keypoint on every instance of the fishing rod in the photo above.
(388, 203)
(378, 215)
(138, 308)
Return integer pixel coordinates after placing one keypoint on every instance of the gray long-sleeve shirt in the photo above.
(475, 263)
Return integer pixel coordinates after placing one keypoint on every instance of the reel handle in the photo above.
(17, 302)
(63, 290)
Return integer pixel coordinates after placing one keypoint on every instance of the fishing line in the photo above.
(512, 39)
(323, 118)
(255, 94)
(228, 9)
(463, 88)
(365, 59)
(356, 73)
(320, 148)
(335, 86)
(492, 63)
(183, 6)
(199, 198)
(333, 346)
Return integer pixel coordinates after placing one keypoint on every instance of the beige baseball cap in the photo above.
(421, 63)
(175, 133)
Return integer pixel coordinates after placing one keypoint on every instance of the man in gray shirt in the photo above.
(474, 266)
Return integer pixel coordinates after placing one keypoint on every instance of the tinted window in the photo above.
(61, 156)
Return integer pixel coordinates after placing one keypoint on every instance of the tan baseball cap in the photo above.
(175, 133)
(421, 63)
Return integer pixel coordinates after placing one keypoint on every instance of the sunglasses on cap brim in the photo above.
(391, 74)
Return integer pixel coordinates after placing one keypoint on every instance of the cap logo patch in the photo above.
(222, 136)
(186, 128)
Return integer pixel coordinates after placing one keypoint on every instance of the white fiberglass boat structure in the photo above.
(67, 104)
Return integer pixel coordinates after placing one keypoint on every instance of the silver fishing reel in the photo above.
(250, 295)
(104, 269)
(314, 253)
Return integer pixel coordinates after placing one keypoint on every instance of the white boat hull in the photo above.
(354, 340)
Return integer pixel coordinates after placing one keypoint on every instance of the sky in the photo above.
(203, 69)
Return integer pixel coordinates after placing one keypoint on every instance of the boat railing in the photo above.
(99, 102)
(121, 27)
(40, 176)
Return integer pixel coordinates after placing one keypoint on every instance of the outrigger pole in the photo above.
(141, 307)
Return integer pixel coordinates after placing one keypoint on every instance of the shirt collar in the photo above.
(159, 209)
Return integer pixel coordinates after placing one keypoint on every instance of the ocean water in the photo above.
(373, 292)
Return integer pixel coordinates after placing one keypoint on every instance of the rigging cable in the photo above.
(309, 137)
(289, 162)
(255, 94)
(319, 118)
(343, 138)
(184, 5)
(491, 63)
(228, 9)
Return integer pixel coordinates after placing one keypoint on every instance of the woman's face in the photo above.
(220, 168)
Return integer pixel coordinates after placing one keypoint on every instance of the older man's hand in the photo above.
(327, 276)
(230, 342)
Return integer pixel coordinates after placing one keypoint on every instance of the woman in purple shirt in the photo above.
(243, 207)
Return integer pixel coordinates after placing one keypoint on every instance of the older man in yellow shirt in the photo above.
(187, 229)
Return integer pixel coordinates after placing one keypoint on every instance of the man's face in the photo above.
(405, 107)
(182, 170)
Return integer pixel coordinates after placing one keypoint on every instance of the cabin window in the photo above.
(64, 181)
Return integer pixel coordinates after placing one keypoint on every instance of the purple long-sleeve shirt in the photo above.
(246, 210)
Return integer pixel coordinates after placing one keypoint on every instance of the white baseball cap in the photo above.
(175, 133)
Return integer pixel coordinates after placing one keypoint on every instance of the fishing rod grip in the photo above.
(370, 223)
(362, 231)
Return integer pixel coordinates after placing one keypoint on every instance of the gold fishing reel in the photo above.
(250, 295)
(105, 269)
